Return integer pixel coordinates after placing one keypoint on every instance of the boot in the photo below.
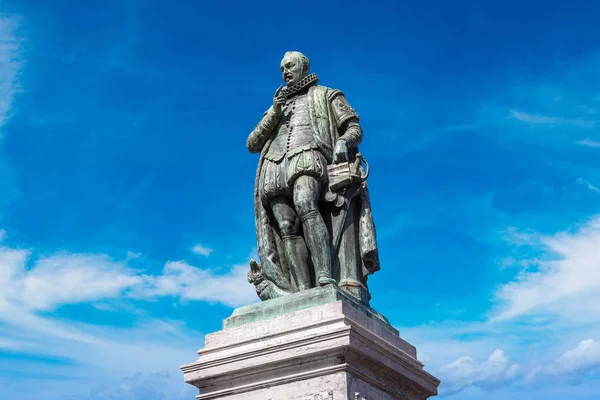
(297, 255)
(317, 240)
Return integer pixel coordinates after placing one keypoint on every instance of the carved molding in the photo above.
(276, 382)
(326, 395)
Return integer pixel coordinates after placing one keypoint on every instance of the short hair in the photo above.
(303, 59)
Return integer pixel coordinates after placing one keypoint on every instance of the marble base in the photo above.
(319, 344)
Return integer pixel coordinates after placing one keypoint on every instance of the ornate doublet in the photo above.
(293, 151)
(294, 132)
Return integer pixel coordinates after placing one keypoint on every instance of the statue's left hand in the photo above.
(340, 152)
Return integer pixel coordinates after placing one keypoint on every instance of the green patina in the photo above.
(296, 302)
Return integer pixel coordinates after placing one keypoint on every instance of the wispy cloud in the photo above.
(589, 143)
(202, 250)
(563, 285)
(588, 185)
(548, 120)
(558, 109)
(518, 237)
(11, 62)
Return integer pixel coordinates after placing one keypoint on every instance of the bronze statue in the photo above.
(313, 219)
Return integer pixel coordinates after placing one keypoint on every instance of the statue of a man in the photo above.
(303, 225)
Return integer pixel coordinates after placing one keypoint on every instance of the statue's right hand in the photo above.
(278, 100)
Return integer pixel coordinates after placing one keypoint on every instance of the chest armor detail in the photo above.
(294, 132)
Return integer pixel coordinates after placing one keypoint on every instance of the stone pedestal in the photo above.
(319, 344)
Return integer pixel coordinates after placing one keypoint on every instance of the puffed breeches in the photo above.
(277, 178)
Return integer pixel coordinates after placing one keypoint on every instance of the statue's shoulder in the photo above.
(328, 92)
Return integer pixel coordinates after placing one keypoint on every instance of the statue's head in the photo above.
(294, 67)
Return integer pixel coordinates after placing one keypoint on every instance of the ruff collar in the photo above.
(300, 85)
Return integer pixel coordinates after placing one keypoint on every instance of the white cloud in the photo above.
(580, 359)
(202, 250)
(589, 143)
(74, 278)
(56, 280)
(182, 280)
(10, 63)
(66, 278)
(465, 372)
(567, 285)
(574, 362)
(550, 121)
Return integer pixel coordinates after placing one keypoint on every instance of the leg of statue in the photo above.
(293, 242)
(306, 197)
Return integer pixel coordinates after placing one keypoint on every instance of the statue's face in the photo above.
(291, 70)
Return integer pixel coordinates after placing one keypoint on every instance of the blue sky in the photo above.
(126, 207)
